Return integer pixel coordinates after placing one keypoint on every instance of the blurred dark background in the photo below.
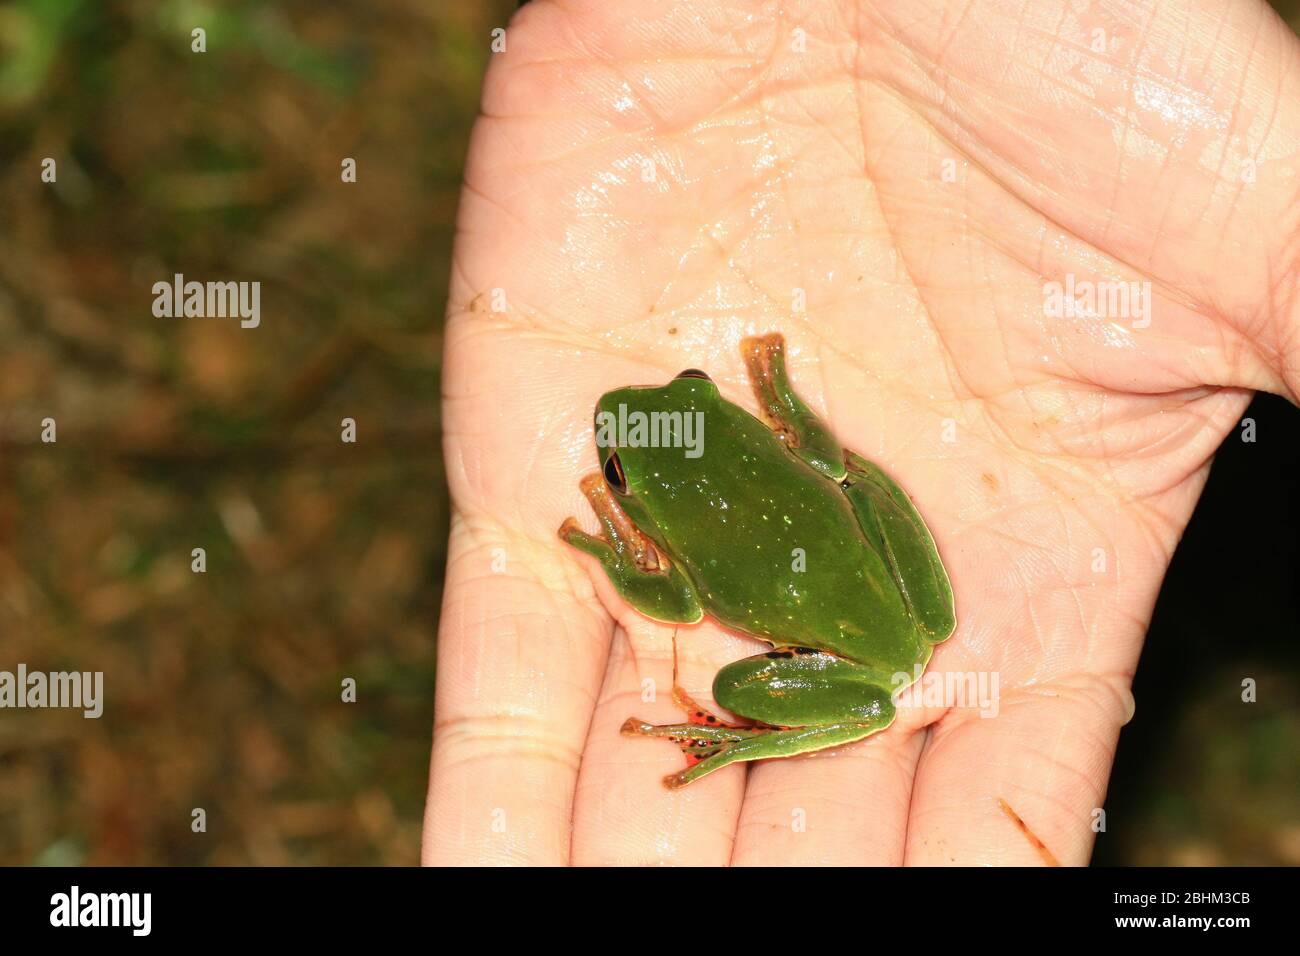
(1200, 777)
(324, 559)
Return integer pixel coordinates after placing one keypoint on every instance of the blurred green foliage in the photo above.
(324, 560)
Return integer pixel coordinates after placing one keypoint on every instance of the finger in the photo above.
(623, 814)
(842, 807)
(520, 662)
(1172, 188)
(1021, 788)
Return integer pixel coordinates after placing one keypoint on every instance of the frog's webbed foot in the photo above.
(766, 744)
(696, 740)
(784, 411)
(697, 743)
(639, 572)
(705, 732)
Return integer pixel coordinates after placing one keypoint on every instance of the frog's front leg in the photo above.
(784, 411)
(641, 575)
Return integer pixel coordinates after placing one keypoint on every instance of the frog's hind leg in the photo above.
(784, 411)
(838, 702)
(888, 517)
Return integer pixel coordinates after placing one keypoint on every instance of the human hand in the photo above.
(648, 186)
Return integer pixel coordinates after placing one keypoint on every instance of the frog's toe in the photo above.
(675, 781)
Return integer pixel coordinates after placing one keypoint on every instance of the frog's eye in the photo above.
(693, 373)
(614, 476)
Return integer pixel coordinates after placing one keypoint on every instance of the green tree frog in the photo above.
(772, 529)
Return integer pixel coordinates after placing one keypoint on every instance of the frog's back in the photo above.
(799, 572)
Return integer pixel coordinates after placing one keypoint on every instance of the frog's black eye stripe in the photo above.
(614, 476)
(693, 373)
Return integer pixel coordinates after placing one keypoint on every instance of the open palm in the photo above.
(894, 187)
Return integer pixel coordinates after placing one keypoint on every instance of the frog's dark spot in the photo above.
(712, 719)
(776, 655)
(806, 650)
